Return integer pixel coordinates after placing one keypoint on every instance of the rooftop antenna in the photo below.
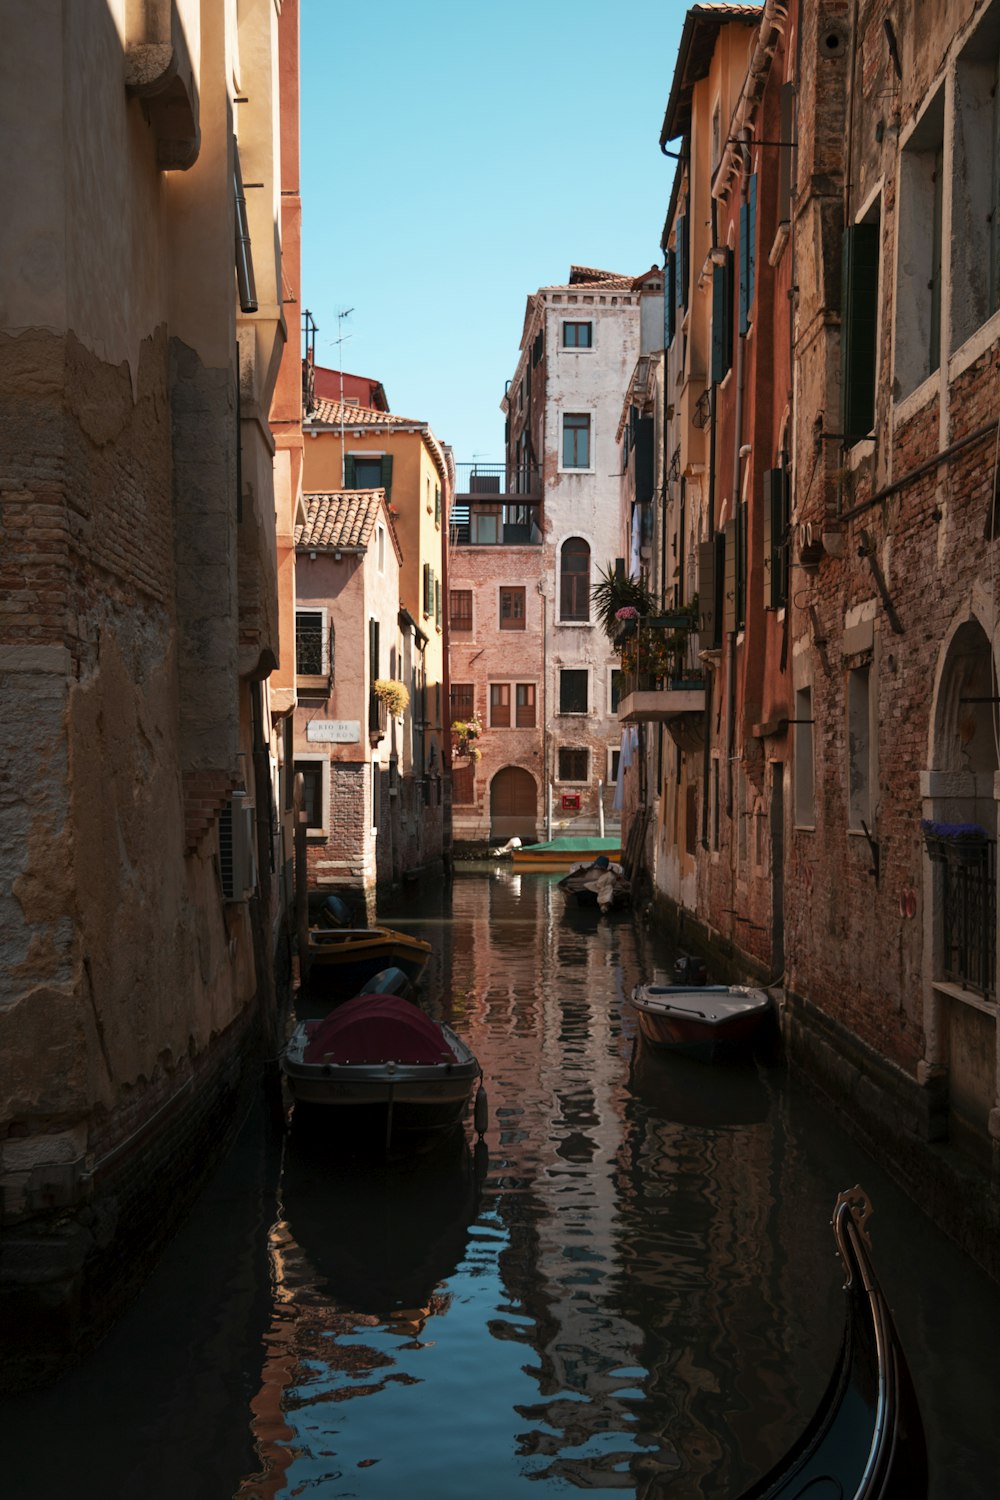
(341, 339)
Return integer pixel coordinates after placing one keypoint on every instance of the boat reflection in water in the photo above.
(408, 1224)
(675, 1088)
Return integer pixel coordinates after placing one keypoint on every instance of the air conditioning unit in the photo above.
(237, 848)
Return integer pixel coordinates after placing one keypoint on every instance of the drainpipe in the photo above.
(706, 767)
(737, 491)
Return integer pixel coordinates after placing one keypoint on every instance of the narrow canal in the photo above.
(631, 1289)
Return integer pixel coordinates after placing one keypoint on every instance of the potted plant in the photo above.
(466, 731)
(614, 592)
(393, 694)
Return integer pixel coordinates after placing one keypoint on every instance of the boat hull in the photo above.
(349, 956)
(707, 1022)
(560, 854)
(381, 1105)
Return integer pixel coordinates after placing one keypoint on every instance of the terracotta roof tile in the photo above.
(345, 518)
(328, 414)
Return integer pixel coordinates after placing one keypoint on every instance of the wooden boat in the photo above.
(559, 854)
(383, 1073)
(346, 957)
(866, 1439)
(704, 1021)
(598, 884)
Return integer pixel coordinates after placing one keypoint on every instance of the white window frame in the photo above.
(577, 411)
(324, 762)
(575, 713)
(323, 612)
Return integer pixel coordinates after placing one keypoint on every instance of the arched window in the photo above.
(574, 580)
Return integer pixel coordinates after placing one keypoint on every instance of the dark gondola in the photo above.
(866, 1440)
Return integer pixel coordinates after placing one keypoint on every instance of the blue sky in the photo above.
(455, 156)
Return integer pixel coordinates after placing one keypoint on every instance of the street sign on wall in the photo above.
(336, 731)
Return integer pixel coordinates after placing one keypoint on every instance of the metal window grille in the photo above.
(310, 656)
(969, 905)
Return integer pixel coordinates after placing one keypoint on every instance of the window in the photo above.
(368, 472)
(805, 807)
(312, 657)
(776, 528)
(315, 770)
(574, 765)
(859, 325)
(463, 701)
(578, 335)
(573, 690)
(429, 592)
(576, 440)
(975, 192)
(715, 804)
(499, 705)
(616, 689)
(460, 611)
(722, 317)
(614, 760)
(437, 505)
(574, 580)
(859, 750)
(512, 609)
(748, 240)
(918, 289)
(525, 705)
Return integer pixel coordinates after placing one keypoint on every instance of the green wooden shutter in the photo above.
(387, 474)
(722, 318)
(741, 565)
(708, 615)
(858, 325)
(427, 589)
(767, 541)
(349, 479)
(748, 232)
(775, 507)
(681, 290)
(730, 580)
(669, 299)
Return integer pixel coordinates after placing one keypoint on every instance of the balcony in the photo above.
(495, 507)
(663, 681)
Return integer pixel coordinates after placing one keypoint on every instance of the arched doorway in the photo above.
(961, 886)
(513, 805)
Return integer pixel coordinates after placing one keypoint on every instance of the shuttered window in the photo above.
(500, 705)
(670, 299)
(748, 242)
(574, 580)
(859, 324)
(722, 318)
(525, 705)
(363, 473)
(729, 587)
(710, 580)
(683, 257)
(776, 491)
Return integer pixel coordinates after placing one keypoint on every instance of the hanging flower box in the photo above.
(964, 843)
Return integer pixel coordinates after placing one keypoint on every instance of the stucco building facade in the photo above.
(138, 360)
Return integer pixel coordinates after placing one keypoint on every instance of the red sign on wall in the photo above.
(571, 801)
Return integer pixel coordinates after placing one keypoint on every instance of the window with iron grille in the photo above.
(312, 659)
(463, 701)
(460, 611)
(969, 917)
(574, 764)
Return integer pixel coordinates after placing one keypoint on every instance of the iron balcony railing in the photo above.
(495, 507)
(660, 651)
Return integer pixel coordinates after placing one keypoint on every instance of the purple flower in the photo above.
(627, 612)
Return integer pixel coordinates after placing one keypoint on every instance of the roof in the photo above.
(342, 520)
(335, 414)
(702, 25)
(328, 413)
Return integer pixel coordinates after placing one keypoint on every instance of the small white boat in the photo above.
(383, 1073)
(704, 1021)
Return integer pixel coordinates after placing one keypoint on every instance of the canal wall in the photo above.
(903, 1124)
(66, 1274)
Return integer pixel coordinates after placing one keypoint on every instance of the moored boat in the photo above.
(346, 957)
(704, 1021)
(598, 883)
(382, 1073)
(560, 854)
(866, 1439)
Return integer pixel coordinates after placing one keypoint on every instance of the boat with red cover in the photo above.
(384, 1072)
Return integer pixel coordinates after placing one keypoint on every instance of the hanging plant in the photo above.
(393, 694)
(465, 732)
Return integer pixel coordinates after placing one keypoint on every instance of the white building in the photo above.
(578, 352)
